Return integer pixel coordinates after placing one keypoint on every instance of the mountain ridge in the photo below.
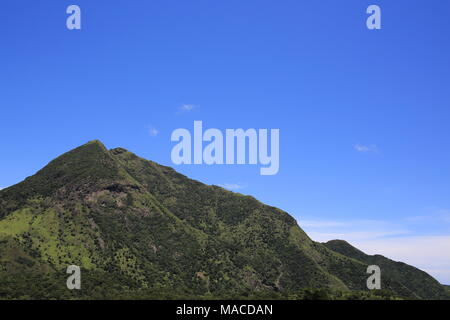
(401, 275)
(150, 227)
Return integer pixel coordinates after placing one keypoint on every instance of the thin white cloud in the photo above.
(436, 216)
(350, 226)
(364, 148)
(416, 219)
(321, 224)
(232, 186)
(428, 253)
(325, 230)
(356, 235)
(394, 240)
(186, 108)
(444, 215)
(152, 131)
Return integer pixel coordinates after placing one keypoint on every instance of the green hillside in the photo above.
(396, 276)
(142, 230)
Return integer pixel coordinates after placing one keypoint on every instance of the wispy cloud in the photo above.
(232, 186)
(435, 216)
(357, 236)
(324, 230)
(322, 224)
(152, 131)
(365, 148)
(444, 215)
(428, 253)
(397, 240)
(186, 108)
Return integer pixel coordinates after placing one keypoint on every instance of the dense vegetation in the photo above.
(398, 277)
(143, 231)
(100, 285)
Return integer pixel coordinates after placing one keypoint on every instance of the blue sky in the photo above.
(363, 115)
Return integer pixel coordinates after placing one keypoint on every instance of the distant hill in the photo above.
(396, 276)
(142, 230)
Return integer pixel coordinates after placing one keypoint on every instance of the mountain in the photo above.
(398, 277)
(141, 230)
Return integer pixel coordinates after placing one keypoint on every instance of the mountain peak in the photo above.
(345, 248)
(147, 226)
(339, 241)
(88, 165)
(97, 142)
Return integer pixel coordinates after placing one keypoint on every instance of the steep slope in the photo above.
(138, 227)
(263, 240)
(396, 276)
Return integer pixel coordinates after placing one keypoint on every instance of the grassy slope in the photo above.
(396, 276)
(267, 240)
(131, 223)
